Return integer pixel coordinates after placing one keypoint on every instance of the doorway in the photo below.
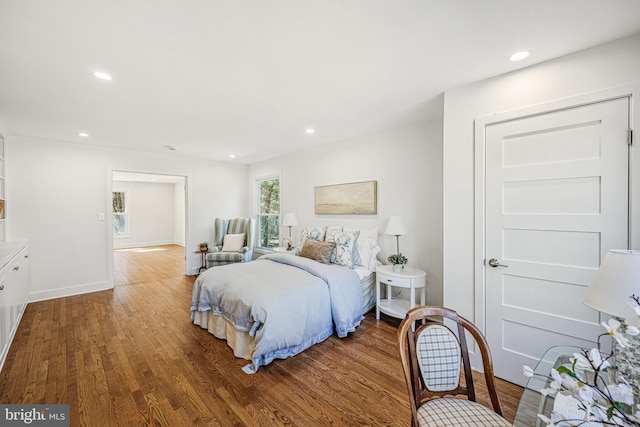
(555, 201)
(149, 227)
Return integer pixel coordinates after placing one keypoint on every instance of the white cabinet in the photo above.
(14, 291)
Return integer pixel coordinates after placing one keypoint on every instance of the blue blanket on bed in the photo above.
(287, 303)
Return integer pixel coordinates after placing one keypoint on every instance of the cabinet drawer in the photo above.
(404, 282)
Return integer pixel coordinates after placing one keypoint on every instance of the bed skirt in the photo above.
(240, 342)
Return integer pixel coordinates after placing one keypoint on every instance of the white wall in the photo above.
(56, 191)
(151, 211)
(407, 164)
(179, 213)
(592, 70)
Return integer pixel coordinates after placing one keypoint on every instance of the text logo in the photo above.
(35, 415)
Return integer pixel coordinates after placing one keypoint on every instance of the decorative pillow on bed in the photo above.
(367, 239)
(232, 242)
(317, 251)
(346, 241)
(331, 233)
(313, 233)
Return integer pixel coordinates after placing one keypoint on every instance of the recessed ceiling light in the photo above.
(232, 156)
(309, 131)
(519, 56)
(103, 76)
(82, 134)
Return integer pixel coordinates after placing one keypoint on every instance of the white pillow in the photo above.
(232, 242)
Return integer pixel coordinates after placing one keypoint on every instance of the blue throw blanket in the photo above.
(287, 303)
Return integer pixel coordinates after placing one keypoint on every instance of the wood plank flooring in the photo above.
(131, 357)
(138, 265)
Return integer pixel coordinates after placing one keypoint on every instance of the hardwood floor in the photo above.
(131, 357)
(137, 265)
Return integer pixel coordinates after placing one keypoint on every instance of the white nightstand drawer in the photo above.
(404, 282)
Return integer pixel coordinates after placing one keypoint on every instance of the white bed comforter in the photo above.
(287, 303)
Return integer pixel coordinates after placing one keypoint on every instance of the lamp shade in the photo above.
(289, 220)
(396, 226)
(617, 279)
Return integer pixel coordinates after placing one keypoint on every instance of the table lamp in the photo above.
(610, 292)
(617, 279)
(289, 220)
(396, 227)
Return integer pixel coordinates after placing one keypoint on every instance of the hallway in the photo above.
(146, 264)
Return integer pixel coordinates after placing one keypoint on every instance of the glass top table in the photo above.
(532, 401)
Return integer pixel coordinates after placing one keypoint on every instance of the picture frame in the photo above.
(356, 198)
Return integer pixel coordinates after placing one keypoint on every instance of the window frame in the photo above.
(125, 214)
(259, 214)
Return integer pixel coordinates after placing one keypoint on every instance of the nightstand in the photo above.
(408, 278)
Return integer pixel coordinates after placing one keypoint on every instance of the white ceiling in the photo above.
(247, 77)
(146, 177)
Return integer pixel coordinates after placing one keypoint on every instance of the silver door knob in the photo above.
(495, 263)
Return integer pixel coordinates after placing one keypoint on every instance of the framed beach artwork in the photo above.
(357, 198)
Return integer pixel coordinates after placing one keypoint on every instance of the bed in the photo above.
(281, 304)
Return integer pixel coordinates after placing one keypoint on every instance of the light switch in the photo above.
(101, 216)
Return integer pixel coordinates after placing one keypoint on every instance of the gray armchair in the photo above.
(222, 227)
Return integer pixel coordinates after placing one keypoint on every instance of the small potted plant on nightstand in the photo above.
(398, 261)
(204, 247)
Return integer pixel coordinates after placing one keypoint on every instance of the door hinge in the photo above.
(630, 136)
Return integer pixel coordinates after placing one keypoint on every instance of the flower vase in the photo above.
(397, 268)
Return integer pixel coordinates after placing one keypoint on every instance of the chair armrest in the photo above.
(244, 250)
(215, 249)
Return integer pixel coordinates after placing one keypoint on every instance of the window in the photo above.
(268, 212)
(120, 213)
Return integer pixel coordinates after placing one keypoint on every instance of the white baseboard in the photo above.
(193, 271)
(69, 291)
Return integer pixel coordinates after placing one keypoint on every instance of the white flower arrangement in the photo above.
(606, 403)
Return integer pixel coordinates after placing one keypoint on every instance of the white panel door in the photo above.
(556, 202)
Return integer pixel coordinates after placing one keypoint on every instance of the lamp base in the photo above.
(627, 361)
